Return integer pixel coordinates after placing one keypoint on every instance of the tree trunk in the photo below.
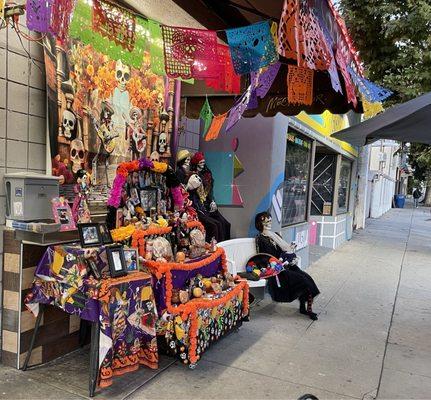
(428, 195)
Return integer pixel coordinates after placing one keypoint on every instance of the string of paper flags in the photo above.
(186, 53)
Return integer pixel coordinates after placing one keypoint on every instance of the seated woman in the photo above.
(292, 283)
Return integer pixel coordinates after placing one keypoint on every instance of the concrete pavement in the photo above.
(371, 339)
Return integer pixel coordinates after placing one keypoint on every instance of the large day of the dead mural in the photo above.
(103, 111)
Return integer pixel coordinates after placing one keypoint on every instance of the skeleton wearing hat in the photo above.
(183, 166)
(136, 134)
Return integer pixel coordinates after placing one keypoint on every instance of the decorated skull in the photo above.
(69, 121)
(162, 142)
(122, 75)
(77, 154)
(194, 182)
(154, 156)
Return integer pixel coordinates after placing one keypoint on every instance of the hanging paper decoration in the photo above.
(371, 109)
(301, 37)
(215, 128)
(274, 33)
(38, 15)
(156, 48)
(266, 79)
(114, 23)
(287, 28)
(251, 47)
(61, 15)
(2, 3)
(189, 53)
(253, 103)
(350, 87)
(300, 85)
(81, 29)
(348, 42)
(206, 115)
(238, 109)
(226, 80)
(372, 92)
(332, 70)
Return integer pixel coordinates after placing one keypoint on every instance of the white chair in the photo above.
(238, 252)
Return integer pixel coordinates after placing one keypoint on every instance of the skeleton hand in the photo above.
(213, 206)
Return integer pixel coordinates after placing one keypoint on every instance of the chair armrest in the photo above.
(232, 268)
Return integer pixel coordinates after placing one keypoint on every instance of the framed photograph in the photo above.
(132, 260)
(89, 235)
(116, 261)
(105, 234)
(63, 214)
(149, 197)
(119, 218)
(134, 197)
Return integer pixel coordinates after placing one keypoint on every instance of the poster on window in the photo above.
(103, 111)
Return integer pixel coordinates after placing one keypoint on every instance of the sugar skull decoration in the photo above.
(77, 154)
(122, 75)
(68, 124)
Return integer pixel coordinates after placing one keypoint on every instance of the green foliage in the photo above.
(394, 41)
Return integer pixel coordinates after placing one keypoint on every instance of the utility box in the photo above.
(28, 196)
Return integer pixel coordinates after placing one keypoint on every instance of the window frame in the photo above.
(311, 142)
(347, 207)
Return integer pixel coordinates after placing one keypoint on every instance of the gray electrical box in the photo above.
(28, 196)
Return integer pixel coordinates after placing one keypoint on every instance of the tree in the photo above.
(394, 41)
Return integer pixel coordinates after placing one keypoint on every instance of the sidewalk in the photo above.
(360, 347)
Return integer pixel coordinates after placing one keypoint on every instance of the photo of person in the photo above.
(134, 198)
(105, 234)
(148, 198)
(116, 261)
(131, 257)
(90, 235)
(63, 215)
(118, 266)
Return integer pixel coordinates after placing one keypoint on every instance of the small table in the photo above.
(122, 310)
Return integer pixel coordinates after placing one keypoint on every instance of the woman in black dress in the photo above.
(292, 283)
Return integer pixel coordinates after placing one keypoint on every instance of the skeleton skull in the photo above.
(186, 164)
(77, 154)
(122, 75)
(194, 182)
(201, 165)
(154, 156)
(69, 121)
(162, 142)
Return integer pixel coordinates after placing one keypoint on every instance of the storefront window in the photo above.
(323, 184)
(344, 186)
(296, 175)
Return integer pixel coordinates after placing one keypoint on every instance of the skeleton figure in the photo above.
(77, 154)
(121, 101)
(162, 142)
(68, 124)
(136, 134)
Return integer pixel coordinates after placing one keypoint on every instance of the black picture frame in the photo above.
(105, 234)
(116, 261)
(149, 198)
(89, 235)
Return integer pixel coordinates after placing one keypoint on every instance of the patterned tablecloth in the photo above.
(124, 306)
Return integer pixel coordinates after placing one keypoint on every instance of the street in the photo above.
(361, 346)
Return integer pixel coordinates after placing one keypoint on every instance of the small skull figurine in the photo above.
(69, 121)
(77, 154)
(162, 142)
(155, 156)
(122, 75)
